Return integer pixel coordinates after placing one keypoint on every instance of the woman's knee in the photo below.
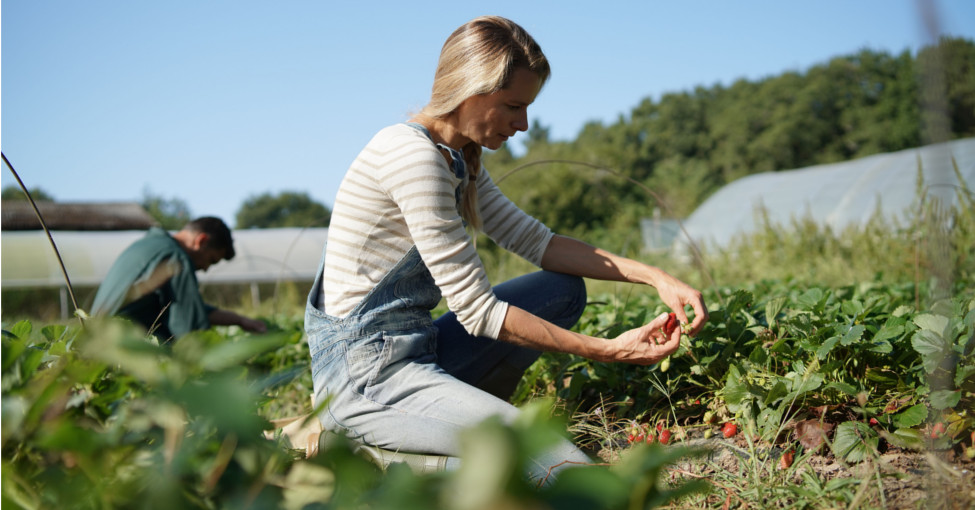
(557, 297)
(573, 289)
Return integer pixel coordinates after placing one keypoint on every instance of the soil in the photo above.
(911, 480)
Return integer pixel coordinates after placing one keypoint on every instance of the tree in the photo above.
(537, 135)
(287, 209)
(13, 192)
(171, 213)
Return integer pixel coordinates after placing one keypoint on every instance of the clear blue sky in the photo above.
(215, 101)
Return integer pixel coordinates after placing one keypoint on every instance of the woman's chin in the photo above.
(494, 144)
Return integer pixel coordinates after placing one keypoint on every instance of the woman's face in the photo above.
(490, 119)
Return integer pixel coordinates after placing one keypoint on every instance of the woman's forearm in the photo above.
(527, 330)
(643, 346)
(571, 256)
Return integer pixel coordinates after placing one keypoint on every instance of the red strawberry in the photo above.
(729, 429)
(873, 421)
(664, 436)
(671, 323)
(938, 430)
(650, 439)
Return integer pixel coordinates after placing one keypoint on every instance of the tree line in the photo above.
(674, 152)
(263, 210)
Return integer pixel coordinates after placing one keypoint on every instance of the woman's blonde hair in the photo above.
(479, 58)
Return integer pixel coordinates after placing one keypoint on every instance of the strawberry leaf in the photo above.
(854, 441)
(911, 417)
(944, 399)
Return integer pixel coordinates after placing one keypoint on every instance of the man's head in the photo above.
(207, 240)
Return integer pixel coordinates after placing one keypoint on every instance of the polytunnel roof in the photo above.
(262, 255)
(837, 195)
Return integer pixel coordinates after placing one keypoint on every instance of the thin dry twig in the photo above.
(564, 462)
(727, 490)
(50, 238)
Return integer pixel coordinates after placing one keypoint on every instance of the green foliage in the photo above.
(688, 144)
(171, 213)
(13, 192)
(932, 245)
(101, 417)
(286, 209)
(777, 359)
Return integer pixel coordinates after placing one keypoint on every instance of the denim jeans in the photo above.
(395, 378)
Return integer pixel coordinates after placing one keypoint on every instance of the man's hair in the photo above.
(218, 232)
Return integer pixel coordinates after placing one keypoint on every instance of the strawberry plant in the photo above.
(103, 417)
(859, 359)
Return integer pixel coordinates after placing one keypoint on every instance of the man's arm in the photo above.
(220, 317)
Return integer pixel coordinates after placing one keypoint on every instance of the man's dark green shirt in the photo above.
(154, 283)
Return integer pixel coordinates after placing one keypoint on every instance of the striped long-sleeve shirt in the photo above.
(400, 192)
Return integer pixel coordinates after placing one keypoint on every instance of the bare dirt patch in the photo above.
(896, 479)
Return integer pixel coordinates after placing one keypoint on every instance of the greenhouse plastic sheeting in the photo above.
(837, 195)
(263, 255)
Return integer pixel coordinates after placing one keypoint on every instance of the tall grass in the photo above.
(931, 247)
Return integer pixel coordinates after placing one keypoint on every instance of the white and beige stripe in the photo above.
(399, 192)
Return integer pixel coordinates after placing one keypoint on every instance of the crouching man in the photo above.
(153, 282)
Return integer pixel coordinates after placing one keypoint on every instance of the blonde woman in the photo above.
(399, 241)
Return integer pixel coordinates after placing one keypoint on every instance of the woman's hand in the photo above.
(677, 294)
(645, 345)
(571, 256)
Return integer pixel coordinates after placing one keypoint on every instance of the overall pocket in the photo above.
(376, 367)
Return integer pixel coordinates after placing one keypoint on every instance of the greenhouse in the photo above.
(263, 256)
(838, 195)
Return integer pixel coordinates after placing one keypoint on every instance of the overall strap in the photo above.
(458, 164)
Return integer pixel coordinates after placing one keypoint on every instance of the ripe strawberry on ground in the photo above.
(729, 429)
(664, 436)
(938, 430)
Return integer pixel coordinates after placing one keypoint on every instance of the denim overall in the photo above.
(396, 379)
